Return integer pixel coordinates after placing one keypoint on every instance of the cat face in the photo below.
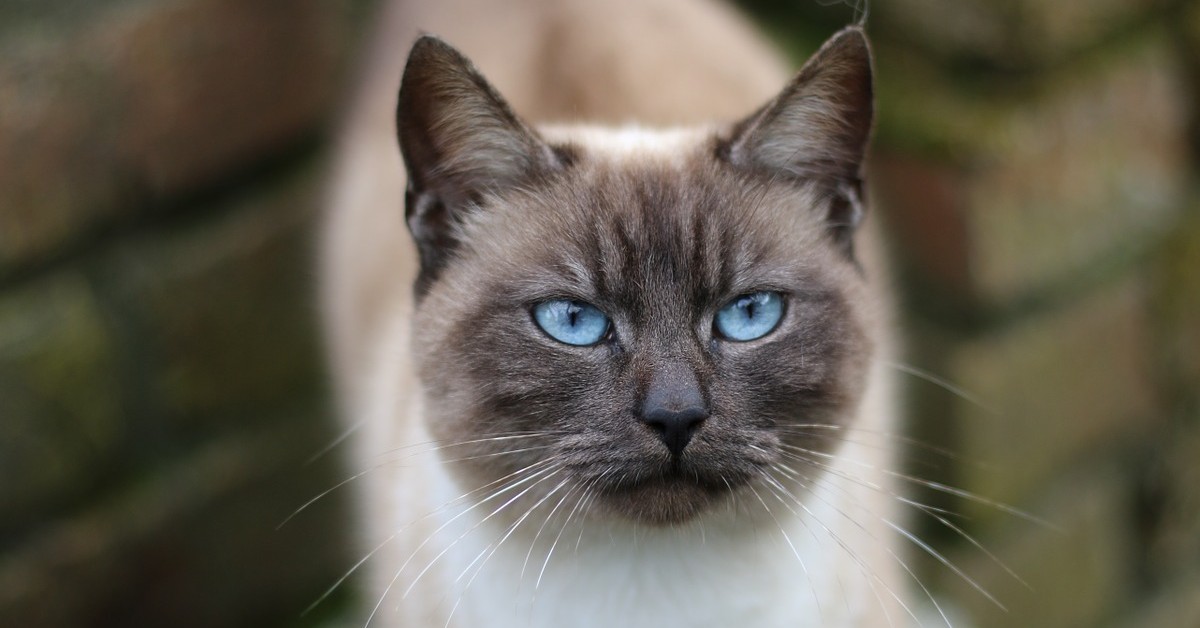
(652, 317)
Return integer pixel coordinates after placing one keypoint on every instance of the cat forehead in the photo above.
(629, 144)
(651, 185)
(643, 208)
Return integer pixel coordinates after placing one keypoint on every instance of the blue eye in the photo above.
(750, 316)
(571, 322)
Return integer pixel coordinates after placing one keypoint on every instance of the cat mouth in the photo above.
(670, 495)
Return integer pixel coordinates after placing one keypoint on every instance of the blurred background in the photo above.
(162, 401)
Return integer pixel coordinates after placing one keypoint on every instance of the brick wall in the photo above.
(160, 388)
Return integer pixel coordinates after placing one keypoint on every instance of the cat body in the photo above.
(665, 474)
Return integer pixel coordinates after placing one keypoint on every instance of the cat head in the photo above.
(652, 316)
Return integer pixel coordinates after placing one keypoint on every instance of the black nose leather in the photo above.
(674, 407)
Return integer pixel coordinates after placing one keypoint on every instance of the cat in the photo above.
(605, 332)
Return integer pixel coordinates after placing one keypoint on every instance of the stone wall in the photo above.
(1038, 166)
(160, 390)
(160, 383)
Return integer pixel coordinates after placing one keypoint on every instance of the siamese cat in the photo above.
(608, 321)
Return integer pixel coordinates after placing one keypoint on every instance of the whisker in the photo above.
(338, 440)
(348, 573)
(495, 546)
(942, 383)
(936, 514)
(970, 539)
(438, 445)
(356, 476)
(360, 474)
(892, 437)
(871, 576)
(927, 548)
(542, 528)
(583, 494)
(382, 597)
(871, 536)
(325, 492)
(587, 503)
(552, 472)
(795, 552)
(936, 486)
(396, 576)
(495, 454)
(945, 561)
(779, 490)
(868, 484)
(862, 566)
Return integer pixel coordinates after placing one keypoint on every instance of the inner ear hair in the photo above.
(847, 208)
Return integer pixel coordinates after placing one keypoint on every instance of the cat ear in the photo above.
(460, 141)
(817, 128)
(819, 125)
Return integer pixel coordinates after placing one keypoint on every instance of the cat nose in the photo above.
(675, 428)
(674, 407)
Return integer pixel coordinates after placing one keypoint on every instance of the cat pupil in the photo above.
(747, 304)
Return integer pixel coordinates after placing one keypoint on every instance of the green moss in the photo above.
(61, 400)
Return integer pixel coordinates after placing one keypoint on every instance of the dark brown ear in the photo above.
(460, 142)
(817, 128)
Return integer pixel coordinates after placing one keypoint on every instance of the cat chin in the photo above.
(667, 500)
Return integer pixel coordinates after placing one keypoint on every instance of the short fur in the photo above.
(494, 441)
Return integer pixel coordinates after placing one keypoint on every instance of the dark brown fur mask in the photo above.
(660, 411)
